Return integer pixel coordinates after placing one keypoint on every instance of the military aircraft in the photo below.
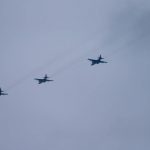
(97, 61)
(2, 92)
(45, 79)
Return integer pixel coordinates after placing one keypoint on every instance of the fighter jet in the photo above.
(45, 79)
(97, 61)
(2, 92)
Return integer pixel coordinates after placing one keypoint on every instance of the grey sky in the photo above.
(101, 107)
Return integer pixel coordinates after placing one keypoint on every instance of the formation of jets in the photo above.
(46, 78)
(97, 61)
(2, 92)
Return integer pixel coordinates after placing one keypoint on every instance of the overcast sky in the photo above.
(101, 107)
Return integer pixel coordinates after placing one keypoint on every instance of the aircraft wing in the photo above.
(91, 59)
(40, 80)
(49, 80)
(103, 62)
(4, 94)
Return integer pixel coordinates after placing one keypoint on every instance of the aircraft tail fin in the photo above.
(100, 57)
(46, 76)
